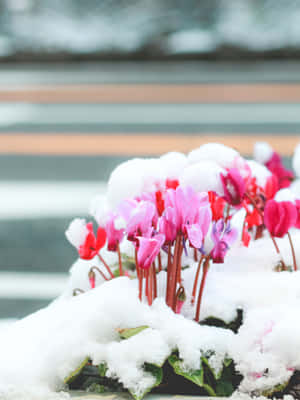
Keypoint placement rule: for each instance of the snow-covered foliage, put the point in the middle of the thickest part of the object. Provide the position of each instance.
(194, 263)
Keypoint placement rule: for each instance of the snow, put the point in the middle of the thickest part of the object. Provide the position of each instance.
(77, 232)
(203, 176)
(259, 171)
(219, 153)
(262, 152)
(296, 160)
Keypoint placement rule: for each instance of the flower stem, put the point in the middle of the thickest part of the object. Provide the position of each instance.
(293, 251)
(204, 274)
(154, 282)
(139, 275)
(168, 273)
(195, 255)
(196, 280)
(100, 272)
(172, 277)
(159, 262)
(120, 260)
(106, 266)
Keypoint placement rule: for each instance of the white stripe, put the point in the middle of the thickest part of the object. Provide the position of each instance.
(47, 199)
(15, 285)
(54, 114)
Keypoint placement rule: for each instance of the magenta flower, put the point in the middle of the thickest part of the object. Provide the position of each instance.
(115, 227)
(284, 175)
(279, 217)
(234, 187)
(223, 236)
(148, 249)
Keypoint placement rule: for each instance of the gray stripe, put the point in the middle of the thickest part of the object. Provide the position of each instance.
(151, 72)
(54, 115)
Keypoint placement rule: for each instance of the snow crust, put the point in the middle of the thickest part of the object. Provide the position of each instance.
(262, 152)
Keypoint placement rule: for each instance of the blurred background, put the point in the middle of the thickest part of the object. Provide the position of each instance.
(85, 85)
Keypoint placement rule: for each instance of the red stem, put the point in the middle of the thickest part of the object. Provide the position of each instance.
(195, 255)
(293, 252)
(196, 280)
(100, 272)
(155, 281)
(150, 293)
(139, 275)
(106, 266)
(168, 274)
(173, 275)
(159, 262)
(120, 260)
(204, 274)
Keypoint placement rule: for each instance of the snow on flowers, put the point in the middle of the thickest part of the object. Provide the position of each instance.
(178, 214)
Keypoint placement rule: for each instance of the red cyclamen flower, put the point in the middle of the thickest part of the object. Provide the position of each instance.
(217, 205)
(279, 217)
(234, 187)
(92, 244)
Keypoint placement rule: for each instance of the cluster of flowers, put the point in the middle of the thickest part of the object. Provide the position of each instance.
(176, 220)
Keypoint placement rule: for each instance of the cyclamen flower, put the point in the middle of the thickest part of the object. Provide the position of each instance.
(223, 236)
(139, 217)
(284, 175)
(217, 205)
(148, 249)
(115, 227)
(167, 224)
(234, 187)
(81, 236)
(279, 217)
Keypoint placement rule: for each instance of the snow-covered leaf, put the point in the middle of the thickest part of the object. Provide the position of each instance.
(77, 371)
(157, 373)
(127, 333)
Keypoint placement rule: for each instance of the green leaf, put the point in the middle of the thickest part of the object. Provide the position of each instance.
(155, 371)
(77, 371)
(195, 376)
(127, 333)
(224, 388)
(102, 368)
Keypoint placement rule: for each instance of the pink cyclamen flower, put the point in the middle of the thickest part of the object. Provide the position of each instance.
(167, 224)
(196, 232)
(279, 217)
(234, 187)
(138, 216)
(81, 235)
(148, 249)
(223, 236)
(115, 227)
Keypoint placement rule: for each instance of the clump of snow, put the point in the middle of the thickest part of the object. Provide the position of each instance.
(296, 160)
(223, 155)
(285, 195)
(262, 152)
(260, 172)
(77, 232)
(173, 164)
(203, 176)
